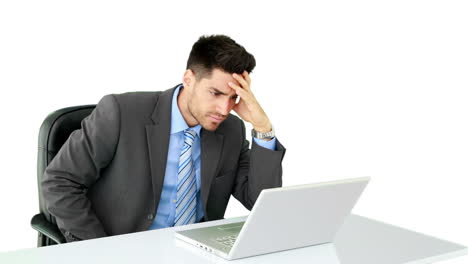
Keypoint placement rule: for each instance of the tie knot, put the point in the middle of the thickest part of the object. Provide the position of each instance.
(189, 135)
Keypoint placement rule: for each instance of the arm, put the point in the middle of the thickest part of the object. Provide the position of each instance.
(76, 167)
(259, 168)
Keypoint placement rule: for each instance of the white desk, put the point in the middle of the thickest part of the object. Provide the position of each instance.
(359, 241)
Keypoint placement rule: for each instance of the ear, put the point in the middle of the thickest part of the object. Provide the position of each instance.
(189, 79)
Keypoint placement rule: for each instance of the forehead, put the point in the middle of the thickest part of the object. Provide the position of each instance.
(219, 80)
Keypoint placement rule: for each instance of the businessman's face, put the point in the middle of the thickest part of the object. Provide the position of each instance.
(211, 99)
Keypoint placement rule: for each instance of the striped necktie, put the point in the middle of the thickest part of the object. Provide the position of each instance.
(186, 183)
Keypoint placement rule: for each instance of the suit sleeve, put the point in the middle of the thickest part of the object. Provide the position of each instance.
(76, 167)
(258, 168)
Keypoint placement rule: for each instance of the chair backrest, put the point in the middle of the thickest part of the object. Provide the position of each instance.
(53, 133)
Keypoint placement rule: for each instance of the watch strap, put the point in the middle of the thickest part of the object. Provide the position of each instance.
(266, 135)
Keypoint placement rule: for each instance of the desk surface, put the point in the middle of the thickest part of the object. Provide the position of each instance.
(360, 241)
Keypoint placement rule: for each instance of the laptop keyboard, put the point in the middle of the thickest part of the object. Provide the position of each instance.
(227, 241)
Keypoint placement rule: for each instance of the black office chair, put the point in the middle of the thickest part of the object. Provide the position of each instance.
(53, 133)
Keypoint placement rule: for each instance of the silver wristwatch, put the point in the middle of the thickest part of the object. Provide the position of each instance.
(267, 135)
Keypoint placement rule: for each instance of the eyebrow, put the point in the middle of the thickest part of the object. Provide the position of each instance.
(218, 91)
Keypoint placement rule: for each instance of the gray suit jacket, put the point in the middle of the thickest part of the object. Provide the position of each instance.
(108, 176)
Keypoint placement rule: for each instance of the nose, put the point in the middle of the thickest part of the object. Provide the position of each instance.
(224, 107)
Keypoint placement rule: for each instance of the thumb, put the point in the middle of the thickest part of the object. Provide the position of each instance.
(236, 108)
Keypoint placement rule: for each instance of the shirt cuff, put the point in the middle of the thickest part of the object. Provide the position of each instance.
(271, 145)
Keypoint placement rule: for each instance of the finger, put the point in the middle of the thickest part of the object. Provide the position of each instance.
(247, 77)
(236, 109)
(241, 80)
(245, 94)
(242, 93)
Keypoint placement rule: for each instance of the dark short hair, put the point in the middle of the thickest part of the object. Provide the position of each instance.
(220, 52)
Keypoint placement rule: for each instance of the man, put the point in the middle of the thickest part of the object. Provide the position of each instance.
(148, 160)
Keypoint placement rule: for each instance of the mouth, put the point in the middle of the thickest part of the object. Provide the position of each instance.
(216, 119)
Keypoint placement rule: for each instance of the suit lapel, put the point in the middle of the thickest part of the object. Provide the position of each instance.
(211, 145)
(157, 136)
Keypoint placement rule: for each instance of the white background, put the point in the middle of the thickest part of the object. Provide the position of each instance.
(353, 88)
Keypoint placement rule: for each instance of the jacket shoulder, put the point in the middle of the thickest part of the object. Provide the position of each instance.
(137, 97)
(136, 104)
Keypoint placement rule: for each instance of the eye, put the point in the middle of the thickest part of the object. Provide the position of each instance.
(214, 93)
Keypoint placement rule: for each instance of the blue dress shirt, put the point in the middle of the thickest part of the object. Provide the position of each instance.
(166, 210)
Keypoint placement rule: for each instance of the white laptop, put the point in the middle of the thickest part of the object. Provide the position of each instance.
(281, 219)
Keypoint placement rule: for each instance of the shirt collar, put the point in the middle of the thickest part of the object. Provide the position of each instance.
(178, 123)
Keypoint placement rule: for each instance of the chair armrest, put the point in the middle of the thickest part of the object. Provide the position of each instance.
(40, 224)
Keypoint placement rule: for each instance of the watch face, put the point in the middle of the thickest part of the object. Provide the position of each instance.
(259, 135)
